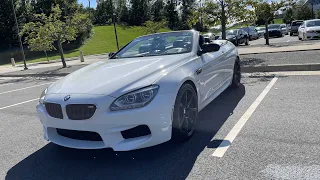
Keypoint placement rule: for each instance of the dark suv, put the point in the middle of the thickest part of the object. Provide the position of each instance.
(253, 34)
(295, 26)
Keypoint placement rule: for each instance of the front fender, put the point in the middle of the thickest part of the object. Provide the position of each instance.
(171, 81)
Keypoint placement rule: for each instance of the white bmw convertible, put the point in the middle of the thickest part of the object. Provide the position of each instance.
(147, 93)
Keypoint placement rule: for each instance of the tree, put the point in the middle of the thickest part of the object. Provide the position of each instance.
(8, 30)
(157, 10)
(288, 16)
(154, 27)
(104, 12)
(226, 11)
(42, 33)
(186, 11)
(265, 11)
(172, 15)
(139, 12)
(302, 12)
(318, 14)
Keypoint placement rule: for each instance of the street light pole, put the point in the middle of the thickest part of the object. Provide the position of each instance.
(115, 29)
(20, 42)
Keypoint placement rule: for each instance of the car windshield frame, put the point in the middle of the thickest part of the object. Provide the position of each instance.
(128, 48)
(316, 23)
(274, 26)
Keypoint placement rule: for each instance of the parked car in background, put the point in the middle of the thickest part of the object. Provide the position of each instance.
(139, 99)
(237, 37)
(261, 31)
(284, 29)
(210, 36)
(309, 30)
(252, 32)
(275, 30)
(295, 26)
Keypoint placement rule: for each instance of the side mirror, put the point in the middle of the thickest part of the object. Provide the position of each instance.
(111, 54)
(209, 48)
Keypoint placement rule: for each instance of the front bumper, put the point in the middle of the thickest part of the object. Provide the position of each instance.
(109, 124)
(275, 33)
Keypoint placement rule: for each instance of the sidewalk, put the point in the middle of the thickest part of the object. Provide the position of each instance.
(273, 49)
(54, 63)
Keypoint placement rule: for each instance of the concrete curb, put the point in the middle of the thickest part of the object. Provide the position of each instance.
(285, 67)
(267, 52)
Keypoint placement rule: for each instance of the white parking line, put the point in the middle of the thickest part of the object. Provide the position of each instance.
(18, 104)
(225, 144)
(24, 88)
(6, 84)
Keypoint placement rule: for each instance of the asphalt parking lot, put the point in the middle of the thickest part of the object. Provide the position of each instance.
(266, 129)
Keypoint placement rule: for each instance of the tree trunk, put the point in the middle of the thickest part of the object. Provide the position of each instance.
(223, 21)
(266, 34)
(61, 53)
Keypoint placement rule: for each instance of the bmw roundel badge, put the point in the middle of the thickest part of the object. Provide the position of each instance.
(67, 98)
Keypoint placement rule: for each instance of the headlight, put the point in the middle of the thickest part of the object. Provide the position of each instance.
(135, 99)
(43, 94)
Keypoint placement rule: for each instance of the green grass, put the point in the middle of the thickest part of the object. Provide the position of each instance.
(102, 41)
(278, 21)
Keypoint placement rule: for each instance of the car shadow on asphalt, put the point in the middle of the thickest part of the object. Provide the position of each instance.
(165, 161)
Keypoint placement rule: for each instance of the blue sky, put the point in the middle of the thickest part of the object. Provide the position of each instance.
(93, 3)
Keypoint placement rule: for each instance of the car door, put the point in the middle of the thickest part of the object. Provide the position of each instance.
(209, 74)
(242, 38)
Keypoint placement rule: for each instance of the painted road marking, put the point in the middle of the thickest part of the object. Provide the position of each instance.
(225, 144)
(5, 84)
(25, 88)
(19, 103)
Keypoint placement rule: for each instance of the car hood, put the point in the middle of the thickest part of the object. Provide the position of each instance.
(274, 29)
(115, 77)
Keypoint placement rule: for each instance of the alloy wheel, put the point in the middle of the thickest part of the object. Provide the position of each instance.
(188, 112)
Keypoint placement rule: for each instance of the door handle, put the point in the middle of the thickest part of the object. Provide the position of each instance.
(199, 71)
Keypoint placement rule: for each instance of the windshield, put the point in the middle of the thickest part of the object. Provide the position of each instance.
(245, 29)
(274, 26)
(231, 32)
(313, 23)
(157, 45)
(261, 28)
(283, 26)
(296, 23)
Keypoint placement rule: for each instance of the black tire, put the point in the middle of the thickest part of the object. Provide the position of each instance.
(237, 43)
(185, 114)
(250, 38)
(247, 42)
(291, 34)
(236, 78)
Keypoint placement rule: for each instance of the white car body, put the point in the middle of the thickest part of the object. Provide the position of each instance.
(103, 82)
(307, 33)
